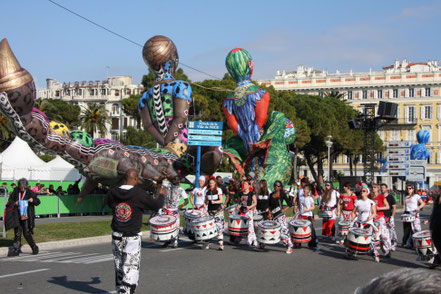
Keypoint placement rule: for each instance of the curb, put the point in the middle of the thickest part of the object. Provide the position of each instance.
(68, 243)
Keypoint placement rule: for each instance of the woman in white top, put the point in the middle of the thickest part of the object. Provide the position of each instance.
(329, 203)
(197, 197)
(367, 211)
(412, 205)
(305, 206)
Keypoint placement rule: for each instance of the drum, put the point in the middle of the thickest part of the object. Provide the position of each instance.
(326, 214)
(268, 232)
(257, 218)
(238, 225)
(300, 230)
(407, 218)
(359, 240)
(343, 227)
(163, 228)
(204, 228)
(189, 216)
(422, 241)
(231, 210)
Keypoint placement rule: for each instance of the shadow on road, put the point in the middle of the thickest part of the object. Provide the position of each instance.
(82, 286)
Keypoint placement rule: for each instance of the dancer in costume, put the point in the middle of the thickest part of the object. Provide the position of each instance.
(263, 199)
(304, 208)
(390, 216)
(346, 202)
(382, 206)
(214, 200)
(197, 197)
(246, 207)
(329, 203)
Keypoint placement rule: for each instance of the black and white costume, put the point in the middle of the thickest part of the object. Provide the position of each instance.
(216, 211)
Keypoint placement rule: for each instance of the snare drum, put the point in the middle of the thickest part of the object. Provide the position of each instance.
(231, 210)
(326, 213)
(407, 218)
(238, 225)
(257, 218)
(268, 232)
(189, 216)
(204, 228)
(422, 241)
(359, 240)
(300, 230)
(163, 228)
(343, 227)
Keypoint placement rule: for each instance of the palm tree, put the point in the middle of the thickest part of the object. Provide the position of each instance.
(5, 128)
(94, 118)
(335, 94)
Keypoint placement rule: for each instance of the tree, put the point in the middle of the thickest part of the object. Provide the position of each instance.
(139, 138)
(94, 119)
(6, 133)
(335, 94)
(130, 108)
(59, 111)
(149, 79)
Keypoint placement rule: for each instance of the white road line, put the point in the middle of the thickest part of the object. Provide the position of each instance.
(24, 273)
(78, 259)
(101, 259)
(26, 256)
(179, 248)
(58, 259)
(41, 258)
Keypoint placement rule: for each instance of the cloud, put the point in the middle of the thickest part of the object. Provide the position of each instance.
(424, 11)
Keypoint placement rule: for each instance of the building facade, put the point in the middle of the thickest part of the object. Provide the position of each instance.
(415, 87)
(109, 93)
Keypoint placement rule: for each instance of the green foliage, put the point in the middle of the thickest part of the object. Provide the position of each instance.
(94, 118)
(130, 108)
(139, 138)
(60, 111)
(46, 157)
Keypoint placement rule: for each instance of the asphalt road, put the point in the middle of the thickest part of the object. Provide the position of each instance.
(189, 269)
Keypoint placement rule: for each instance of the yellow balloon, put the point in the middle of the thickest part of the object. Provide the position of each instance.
(59, 128)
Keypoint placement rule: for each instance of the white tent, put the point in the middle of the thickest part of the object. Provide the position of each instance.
(19, 161)
(61, 170)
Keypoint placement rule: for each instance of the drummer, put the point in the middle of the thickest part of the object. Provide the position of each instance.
(435, 229)
(382, 206)
(246, 207)
(367, 211)
(389, 215)
(329, 202)
(304, 205)
(412, 205)
(346, 202)
(171, 206)
(214, 200)
(263, 199)
(197, 197)
(277, 213)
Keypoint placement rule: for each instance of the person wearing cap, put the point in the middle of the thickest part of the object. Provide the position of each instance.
(197, 197)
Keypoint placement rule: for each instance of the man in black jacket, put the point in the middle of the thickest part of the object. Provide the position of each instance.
(23, 221)
(128, 203)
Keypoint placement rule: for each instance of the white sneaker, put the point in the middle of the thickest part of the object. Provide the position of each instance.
(377, 259)
(175, 244)
(221, 247)
(206, 246)
(289, 250)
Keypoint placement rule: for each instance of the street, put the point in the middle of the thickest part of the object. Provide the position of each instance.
(189, 269)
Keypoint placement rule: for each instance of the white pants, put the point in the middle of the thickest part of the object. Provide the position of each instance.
(384, 235)
(127, 260)
(284, 231)
(390, 223)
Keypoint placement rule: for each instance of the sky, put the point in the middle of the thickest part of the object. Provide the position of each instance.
(280, 35)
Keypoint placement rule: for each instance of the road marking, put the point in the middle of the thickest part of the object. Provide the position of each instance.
(65, 257)
(24, 273)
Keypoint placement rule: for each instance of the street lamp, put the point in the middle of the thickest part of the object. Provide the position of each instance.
(329, 144)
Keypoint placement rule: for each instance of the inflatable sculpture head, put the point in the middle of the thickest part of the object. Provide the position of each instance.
(239, 64)
(423, 137)
(16, 81)
(160, 52)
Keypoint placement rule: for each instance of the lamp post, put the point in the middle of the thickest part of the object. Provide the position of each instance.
(329, 145)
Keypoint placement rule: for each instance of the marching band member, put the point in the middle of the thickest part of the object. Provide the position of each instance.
(382, 205)
(390, 215)
(277, 213)
(346, 202)
(305, 207)
(171, 206)
(435, 229)
(367, 211)
(263, 199)
(329, 202)
(214, 200)
(246, 206)
(412, 204)
(197, 197)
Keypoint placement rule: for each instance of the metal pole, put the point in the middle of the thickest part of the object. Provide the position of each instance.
(198, 167)
(4, 207)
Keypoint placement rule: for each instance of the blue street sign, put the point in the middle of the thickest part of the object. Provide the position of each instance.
(204, 143)
(204, 132)
(206, 125)
(204, 138)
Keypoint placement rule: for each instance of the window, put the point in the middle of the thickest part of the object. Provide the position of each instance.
(380, 94)
(411, 135)
(115, 136)
(395, 93)
(125, 123)
(103, 92)
(394, 135)
(57, 93)
(411, 115)
(115, 123)
(411, 92)
(365, 94)
(427, 91)
(116, 92)
(426, 112)
(115, 109)
(92, 92)
(350, 95)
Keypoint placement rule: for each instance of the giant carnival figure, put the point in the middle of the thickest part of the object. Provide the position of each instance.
(101, 160)
(419, 151)
(261, 144)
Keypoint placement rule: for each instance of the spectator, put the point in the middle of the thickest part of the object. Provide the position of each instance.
(36, 189)
(59, 191)
(43, 190)
(75, 187)
(13, 185)
(51, 190)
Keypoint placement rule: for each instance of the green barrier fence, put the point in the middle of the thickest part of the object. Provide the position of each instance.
(63, 184)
